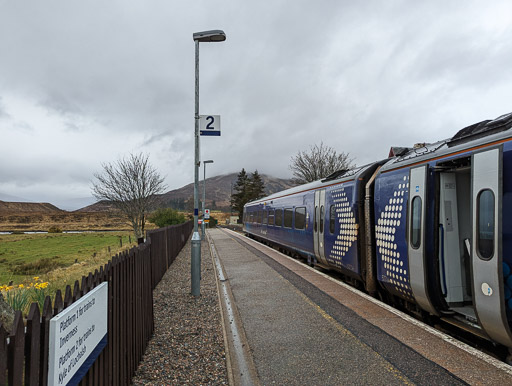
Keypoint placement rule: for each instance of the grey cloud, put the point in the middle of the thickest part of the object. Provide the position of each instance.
(360, 77)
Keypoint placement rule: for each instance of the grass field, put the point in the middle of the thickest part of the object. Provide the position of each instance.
(59, 258)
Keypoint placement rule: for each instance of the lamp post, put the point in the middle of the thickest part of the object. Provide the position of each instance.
(204, 193)
(195, 266)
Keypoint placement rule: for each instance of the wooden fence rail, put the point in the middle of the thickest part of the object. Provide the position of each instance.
(131, 277)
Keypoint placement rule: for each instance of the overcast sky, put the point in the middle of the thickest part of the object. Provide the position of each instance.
(87, 82)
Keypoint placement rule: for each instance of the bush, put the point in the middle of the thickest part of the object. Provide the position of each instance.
(54, 229)
(166, 216)
(213, 222)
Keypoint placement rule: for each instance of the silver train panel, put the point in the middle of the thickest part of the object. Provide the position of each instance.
(416, 242)
(487, 260)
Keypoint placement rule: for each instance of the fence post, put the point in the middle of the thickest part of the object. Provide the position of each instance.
(3, 355)
(32, 342)
(45, 343)
(16, 350)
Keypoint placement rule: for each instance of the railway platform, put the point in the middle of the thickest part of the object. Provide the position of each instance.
(287, 323)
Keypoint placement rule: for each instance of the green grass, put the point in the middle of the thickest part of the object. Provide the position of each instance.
(24, 256)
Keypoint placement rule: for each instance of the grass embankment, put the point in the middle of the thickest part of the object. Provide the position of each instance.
(58, 259)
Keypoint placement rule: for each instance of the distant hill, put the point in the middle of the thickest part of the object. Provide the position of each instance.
(218, 191)
(100, 206)
(27, 207)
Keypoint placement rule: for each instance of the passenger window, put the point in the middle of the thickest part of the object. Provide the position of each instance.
(279, 217)
(265, 217)
(485, 223)
(260, 216)
(416, 222)
(271, 217)
(288, 216)
(315, 222)
(332, 218)
(300, 218)
(322, 219)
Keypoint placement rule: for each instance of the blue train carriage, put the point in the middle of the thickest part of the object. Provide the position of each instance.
(322, 221)
(443, 228)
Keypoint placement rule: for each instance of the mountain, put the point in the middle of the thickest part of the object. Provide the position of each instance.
(27, 207)
(218, 191)
(100, 206)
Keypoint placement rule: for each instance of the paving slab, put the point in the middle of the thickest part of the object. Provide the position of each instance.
(298, 334)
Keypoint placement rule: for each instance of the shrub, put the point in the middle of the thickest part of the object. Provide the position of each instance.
(166, 216)
(54, 229)
(213, 222)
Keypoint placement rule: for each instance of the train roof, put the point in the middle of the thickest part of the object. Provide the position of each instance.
(479, 134)
(482, 133)
(337, 177)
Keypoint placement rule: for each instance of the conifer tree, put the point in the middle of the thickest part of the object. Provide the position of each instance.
(240, 197)
(246, 189)
(256, 187)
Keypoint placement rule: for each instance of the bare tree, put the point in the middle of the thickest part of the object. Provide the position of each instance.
(130, 184)
(320, 162)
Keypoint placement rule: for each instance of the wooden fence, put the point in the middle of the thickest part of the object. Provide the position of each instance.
(131, 277)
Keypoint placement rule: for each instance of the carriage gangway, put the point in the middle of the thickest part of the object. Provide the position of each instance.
(287, 323)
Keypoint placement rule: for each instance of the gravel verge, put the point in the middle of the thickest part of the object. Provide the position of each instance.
(187, 346)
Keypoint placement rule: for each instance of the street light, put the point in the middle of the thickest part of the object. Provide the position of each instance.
(195, 266)
(204, 194)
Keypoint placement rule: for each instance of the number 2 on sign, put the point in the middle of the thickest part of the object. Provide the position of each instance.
(209, 126)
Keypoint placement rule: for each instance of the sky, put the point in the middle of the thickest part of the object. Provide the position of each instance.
(84, 83)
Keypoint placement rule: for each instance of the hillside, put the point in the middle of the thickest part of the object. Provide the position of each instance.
(30, 216)
(34, 216)
(218, 191)
(7, 208)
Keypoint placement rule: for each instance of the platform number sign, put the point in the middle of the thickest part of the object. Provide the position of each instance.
(209, 125)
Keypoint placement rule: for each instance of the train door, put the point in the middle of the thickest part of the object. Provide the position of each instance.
(319, 225)
(416, 246)
(486, 254)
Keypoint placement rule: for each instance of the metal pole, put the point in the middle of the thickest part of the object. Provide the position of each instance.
(195, 267)
(204, 198)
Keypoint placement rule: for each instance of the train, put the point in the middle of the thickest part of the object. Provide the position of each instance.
(428, 229)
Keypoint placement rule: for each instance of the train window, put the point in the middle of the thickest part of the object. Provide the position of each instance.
(416, 222)
(271, 217)
(315, 223)
(288, 215)
(332, 218)
(485, 223)
(322, 219)
(279, 217)
(260, 216)
(265, 217)
(300, 218)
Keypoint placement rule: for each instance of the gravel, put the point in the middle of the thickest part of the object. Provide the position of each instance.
(188, 344)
